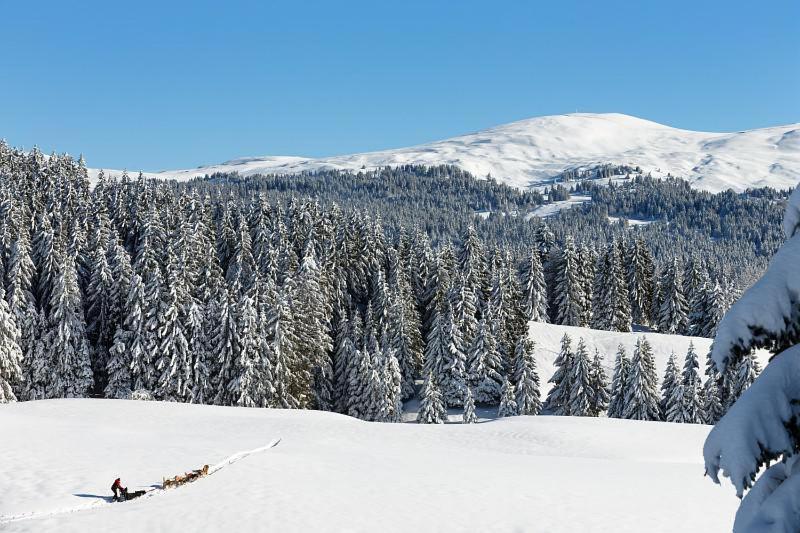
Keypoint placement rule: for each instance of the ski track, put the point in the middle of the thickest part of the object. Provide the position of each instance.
(7, 519)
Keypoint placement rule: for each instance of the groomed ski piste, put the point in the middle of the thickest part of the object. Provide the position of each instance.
(334, 473)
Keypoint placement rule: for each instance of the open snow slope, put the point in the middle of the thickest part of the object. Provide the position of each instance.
(58, 459)
(530, 152)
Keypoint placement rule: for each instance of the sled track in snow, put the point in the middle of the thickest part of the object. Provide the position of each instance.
(7, 519)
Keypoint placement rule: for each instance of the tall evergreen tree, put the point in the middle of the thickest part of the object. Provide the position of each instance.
(641, 402)
(431, 408)
(558, 399)
(526, 378)
(619, 381)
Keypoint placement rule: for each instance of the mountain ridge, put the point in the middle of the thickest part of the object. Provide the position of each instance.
(530, 152)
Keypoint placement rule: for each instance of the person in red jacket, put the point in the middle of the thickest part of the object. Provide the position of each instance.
(118, 490)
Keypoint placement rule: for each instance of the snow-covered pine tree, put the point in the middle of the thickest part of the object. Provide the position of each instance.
(508, 403)
(469, 409)
(712, 404)
(611, 302)
(173, 362)
(485, 365)
(672, 313)
(599, 381)
(619, 380)
(526, 378)
(641, 401)
(745, 372)
(640, 272)
(311, 302)
(714, 308)
(697, 287)
(472, 263)
(10, 353)
(453, 379)
(534, 290)
(668, 384)
(70, 363)
(692, 404)
(431, 408)
(568, 295)
(558, 399)
(288, 380)
(587, 264)
(245, 388)
(580, 392)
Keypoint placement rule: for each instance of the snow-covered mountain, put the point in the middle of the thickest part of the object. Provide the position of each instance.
(530, 152)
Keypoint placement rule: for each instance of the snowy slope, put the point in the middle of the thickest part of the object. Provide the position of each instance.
(548, 344)
(333, 473)
(530, 152)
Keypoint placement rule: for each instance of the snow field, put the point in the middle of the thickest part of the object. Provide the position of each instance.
(334, 473)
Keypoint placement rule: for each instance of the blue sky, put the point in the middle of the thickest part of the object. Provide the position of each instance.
(155, 85)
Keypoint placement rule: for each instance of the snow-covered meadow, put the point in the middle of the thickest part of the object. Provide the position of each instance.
(334, 473)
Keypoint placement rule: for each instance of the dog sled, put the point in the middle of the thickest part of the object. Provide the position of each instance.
(188, 477)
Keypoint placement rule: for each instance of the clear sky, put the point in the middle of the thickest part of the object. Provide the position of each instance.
(157, 85)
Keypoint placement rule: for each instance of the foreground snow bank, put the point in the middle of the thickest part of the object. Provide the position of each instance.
(333, 473)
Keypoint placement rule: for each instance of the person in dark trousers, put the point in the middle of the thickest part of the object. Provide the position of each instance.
(118, 490)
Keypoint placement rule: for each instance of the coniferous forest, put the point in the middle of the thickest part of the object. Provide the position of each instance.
(356, 292)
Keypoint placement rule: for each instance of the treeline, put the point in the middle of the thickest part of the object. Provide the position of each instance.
(210, 293)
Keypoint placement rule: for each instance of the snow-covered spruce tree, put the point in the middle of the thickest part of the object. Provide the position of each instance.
(10, 353)
(587, 264)
(611, 304)
(173, 363)
(343, 363)
(580, 392)
(668, 384)
(672, 313)
(288, 380)
(698, 286)
(508, 405)
(568, 296)
(313, 332)
(437, 345)
(100, 325)
(485, 365)
(713, 407)
(534, 290)
(619, 380)
(714, 308)
(472, 263)
(404, 326)
(65, 340)
(762, 426)
(392, 378)
(640, 272)
(743, 374)
(599, 381)
(469, 416)
(245, 388)
(526, 379)
(431, 407)
(641, 401)
(453, 380)
(558, 399)
(692, 404)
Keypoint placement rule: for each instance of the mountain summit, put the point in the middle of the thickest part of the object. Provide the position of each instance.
(531, 152)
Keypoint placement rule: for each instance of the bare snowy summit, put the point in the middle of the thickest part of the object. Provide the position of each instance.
(531, 152)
